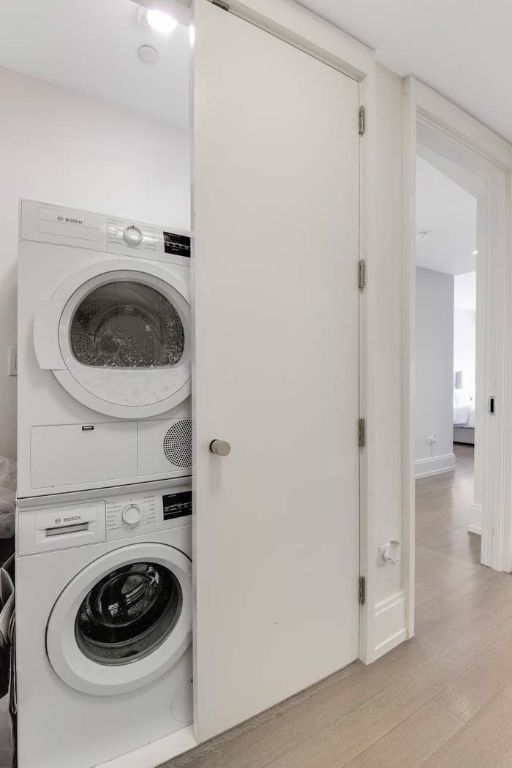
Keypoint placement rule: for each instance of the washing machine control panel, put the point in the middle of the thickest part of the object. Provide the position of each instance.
(134, 515)
(134, 238)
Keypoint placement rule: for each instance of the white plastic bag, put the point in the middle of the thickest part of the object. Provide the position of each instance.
(7, 497)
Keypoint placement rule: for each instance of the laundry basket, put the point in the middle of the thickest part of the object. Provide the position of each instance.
(7, 665)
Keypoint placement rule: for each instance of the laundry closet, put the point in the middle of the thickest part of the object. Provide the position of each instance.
(181, 247)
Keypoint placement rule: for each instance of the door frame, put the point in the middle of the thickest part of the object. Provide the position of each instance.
(429, 118)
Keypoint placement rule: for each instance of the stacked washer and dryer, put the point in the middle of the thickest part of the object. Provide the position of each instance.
(103, 550)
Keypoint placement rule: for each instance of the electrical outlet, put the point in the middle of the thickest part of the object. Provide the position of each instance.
(432, 439)
(12, 361)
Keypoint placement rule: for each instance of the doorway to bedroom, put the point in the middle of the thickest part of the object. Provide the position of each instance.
(447, 459)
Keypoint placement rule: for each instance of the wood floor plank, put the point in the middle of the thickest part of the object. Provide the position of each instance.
(484, 742)
(413, 741)
(489, 675)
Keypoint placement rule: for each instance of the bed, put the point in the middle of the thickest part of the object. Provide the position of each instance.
(463, 417)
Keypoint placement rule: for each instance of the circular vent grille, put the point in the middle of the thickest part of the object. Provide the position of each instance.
(178, 443)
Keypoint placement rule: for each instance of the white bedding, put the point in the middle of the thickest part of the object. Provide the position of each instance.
(464, 415)
(463, 409)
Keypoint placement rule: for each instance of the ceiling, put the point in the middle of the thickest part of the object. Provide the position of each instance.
(446, 217)
(91, 46)
(462, 48)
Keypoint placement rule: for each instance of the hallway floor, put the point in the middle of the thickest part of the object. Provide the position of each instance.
(441, 700)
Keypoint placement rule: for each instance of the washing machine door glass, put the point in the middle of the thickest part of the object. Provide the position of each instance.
(124, 620)
(128, 613)
(124, 324)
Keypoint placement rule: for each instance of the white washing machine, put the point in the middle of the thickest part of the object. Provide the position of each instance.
(103, 351)
(103, 624)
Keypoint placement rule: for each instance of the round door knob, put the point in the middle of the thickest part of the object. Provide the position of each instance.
(131, 515)
(132, 235)
(220, 447)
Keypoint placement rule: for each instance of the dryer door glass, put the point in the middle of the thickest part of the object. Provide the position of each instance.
(128, 613)
(125, 324)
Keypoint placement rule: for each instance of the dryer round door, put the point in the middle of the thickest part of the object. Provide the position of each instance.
(123, 621)
(117, 337)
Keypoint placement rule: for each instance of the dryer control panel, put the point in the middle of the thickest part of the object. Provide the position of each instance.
(134, 238)
(46, 223)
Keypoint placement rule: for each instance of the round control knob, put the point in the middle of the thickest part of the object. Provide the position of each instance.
(132, 235)
(131, 515)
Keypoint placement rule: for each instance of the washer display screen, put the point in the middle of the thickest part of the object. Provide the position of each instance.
(177, 505)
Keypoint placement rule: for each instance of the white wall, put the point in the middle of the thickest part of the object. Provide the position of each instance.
(65, 148)
(434, 371)
(464, 338)
(464, 347)
(384, 364)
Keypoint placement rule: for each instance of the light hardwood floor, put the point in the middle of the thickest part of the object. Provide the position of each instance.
(441, 700)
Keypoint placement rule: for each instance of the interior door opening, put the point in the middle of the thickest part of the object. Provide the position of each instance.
(448, 262)
(458, 354)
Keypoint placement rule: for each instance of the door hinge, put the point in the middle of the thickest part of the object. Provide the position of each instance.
(362, 120)
(221, 4)
(362, 590)
(361, 432)
(361, 274)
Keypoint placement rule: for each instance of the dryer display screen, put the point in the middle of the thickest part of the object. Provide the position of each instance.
(177, 505)
(177, 244)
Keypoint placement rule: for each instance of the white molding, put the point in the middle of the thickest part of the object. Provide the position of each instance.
(157, 752)
(475, 524)
(452, 120)
(409, 134)
(434, 465)
(310, 33)
(390, 623)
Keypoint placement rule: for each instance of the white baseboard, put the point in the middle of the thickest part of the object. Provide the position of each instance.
(156, 753)
(475, 522)
(435, 465)
(389, 624)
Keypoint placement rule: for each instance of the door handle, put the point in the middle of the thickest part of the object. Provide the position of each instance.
(220, 447)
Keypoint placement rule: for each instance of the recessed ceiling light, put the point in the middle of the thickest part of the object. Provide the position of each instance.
(474, 253)
(148, 54)
(160, 21)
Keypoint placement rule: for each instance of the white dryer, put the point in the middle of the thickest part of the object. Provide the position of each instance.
(103, 351)
(103, 624)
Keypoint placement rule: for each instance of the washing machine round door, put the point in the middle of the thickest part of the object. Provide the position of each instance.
(123, 621)
(117, 337)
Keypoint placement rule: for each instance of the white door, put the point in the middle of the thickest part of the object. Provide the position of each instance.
(276, 183)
